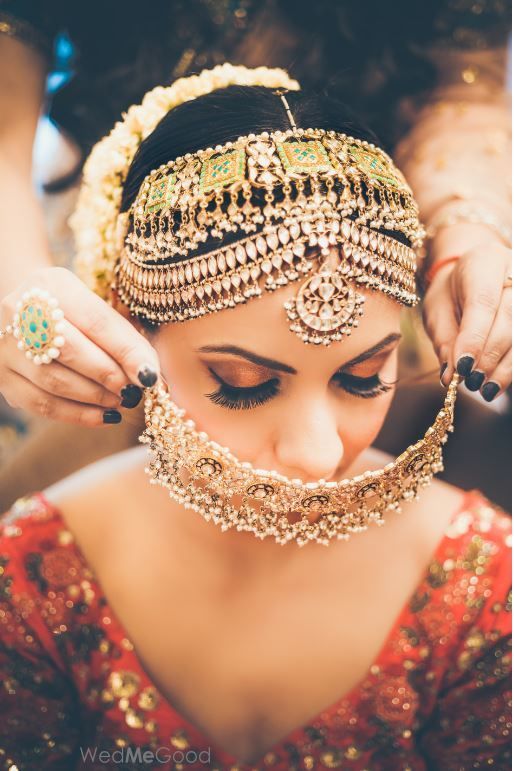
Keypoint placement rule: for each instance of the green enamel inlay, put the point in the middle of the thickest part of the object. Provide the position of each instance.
(160, 194)
(374, 165)
(222, 170)
(36, 326)
(306, 157)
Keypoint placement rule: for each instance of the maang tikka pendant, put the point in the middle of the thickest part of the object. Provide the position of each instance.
(326, 307)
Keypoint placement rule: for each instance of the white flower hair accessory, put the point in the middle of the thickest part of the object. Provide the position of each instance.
(98, 232)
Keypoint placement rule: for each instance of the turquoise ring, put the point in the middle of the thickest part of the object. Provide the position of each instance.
(38, 325)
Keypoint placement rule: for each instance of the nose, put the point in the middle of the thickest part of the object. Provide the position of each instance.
(309, 445)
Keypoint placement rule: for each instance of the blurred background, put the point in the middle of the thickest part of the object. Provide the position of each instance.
(100, 61)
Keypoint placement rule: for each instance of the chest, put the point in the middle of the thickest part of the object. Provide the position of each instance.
(249, 664)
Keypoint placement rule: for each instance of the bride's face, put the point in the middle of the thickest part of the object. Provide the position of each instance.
(305, 411)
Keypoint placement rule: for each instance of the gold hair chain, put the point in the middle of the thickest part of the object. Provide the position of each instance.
(281, 93)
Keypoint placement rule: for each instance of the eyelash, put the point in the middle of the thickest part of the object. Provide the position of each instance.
(243, 398)
(235, 398)
(363, 387)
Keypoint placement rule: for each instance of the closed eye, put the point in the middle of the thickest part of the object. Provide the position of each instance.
(364, 387)
(236, 398)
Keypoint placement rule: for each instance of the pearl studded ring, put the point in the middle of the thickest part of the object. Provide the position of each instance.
(38, 326)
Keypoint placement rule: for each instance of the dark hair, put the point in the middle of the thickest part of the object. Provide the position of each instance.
(226, 114)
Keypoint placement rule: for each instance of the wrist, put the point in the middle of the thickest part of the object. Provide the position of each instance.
(458, 239)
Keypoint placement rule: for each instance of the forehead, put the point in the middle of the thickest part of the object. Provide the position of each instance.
(262, 326)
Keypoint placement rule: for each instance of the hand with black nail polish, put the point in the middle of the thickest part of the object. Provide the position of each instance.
(131, 395)
(467, 305)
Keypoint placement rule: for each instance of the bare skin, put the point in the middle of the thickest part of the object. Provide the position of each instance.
(249, 640)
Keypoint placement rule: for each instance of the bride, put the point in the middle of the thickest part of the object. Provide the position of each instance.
(257, 616)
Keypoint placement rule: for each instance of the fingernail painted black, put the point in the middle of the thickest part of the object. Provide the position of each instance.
(475, 380)
(147, 376)
(490, 390)
(112, 416)
(465, 365)
(131, 395)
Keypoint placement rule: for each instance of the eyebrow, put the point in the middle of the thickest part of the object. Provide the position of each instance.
(393, 338)
(263, 361)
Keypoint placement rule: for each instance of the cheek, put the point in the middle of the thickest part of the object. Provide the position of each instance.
(361, 424)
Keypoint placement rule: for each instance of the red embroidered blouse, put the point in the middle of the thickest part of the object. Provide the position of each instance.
(75, 696)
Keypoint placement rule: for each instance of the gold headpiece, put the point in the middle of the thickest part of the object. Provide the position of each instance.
(271, 206)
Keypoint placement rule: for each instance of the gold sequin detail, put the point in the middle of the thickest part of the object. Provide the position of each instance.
(180, 740)
(123, 683)
(64, 537)
(134, 719)
(148, 698)
(332, 758)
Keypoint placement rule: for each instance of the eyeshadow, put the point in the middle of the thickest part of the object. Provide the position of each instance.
(241, 375)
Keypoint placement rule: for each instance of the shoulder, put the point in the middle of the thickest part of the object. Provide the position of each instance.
(98, 479)
(107, 483)
(95, 501)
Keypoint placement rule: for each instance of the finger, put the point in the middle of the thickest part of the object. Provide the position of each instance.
(497, 345)
(101, 324)
(55, 378)
(441, 325)
(81, 355)
(21, 393)
(111, 332)
(479, 292)
(500, 379)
